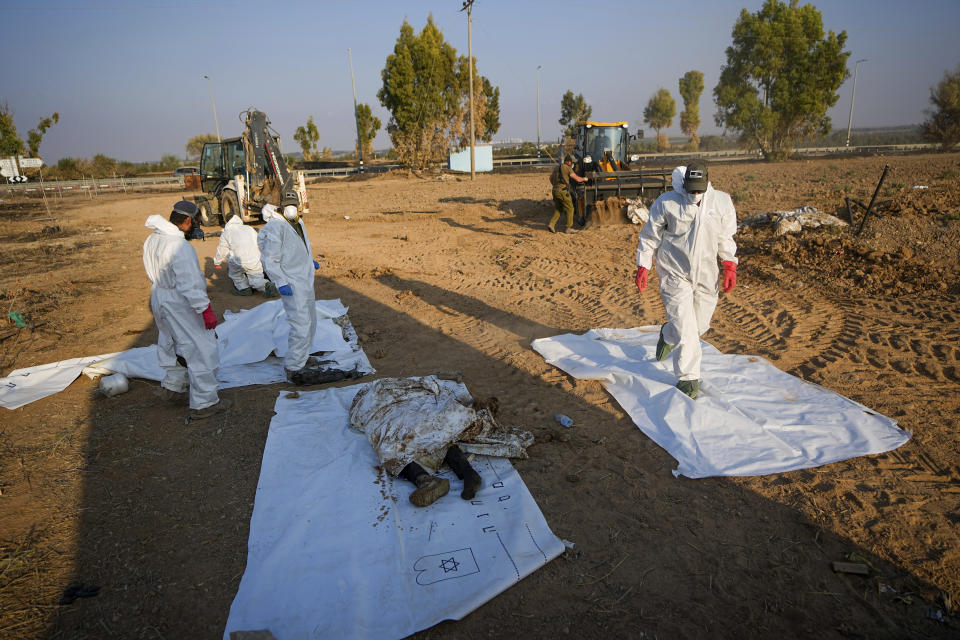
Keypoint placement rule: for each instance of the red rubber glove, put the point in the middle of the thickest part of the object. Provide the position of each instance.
(209, 317)
(729, 275)
(641, 279)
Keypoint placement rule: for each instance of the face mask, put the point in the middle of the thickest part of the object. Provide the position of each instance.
(694, 198)
(290, 213)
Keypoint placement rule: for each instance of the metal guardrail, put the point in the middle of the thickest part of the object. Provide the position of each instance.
(532, 161)
(94, 184)
(728, 154)
(346, 171)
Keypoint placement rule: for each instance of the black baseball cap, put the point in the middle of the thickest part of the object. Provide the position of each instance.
(186, 208)
(695, 179)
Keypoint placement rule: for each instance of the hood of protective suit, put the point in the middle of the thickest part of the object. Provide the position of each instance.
(161, 225)
(677, 178)
(235, 221)
(270, 211)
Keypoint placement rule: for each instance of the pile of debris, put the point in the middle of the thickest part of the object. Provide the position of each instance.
(804, 217)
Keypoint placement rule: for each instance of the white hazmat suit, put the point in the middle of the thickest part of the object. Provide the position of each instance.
(178, 299)
(687, 237)
(238, 247)
(288, 260)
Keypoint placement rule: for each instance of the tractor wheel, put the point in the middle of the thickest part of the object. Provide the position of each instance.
(208, 218)
(229, 205)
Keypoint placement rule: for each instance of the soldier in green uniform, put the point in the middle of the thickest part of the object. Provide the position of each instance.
(560, 179)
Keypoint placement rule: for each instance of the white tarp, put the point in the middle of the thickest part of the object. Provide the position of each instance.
(245, 340)
(749, 419)
(336, 550)
(269, 320)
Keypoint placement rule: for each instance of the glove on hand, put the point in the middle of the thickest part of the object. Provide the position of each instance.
(729, 275)
(209, 317)
(285, 290)
(316, 265)
(641, 279)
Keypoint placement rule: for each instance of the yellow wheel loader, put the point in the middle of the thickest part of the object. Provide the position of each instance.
(600, 155)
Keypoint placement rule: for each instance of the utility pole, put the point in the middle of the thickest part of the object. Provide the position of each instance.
(356, 114)
(468, 7)
(538, 110)
(215, 121)
(852, 97)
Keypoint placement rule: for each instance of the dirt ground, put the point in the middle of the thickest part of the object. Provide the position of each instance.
(445, 274)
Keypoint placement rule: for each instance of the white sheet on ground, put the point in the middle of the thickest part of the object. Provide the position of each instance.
(336, 550)
(750, 418)
(245, 340)
(24, 386)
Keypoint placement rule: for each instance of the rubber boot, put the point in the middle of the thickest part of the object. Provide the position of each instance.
(270, 290)
(461, 466)
(663, 349)
(429, 488)
(689, 387)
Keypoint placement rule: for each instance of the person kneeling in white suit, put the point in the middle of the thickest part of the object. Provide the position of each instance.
(238, 248)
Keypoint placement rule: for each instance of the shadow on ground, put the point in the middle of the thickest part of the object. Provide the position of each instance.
(166, 506)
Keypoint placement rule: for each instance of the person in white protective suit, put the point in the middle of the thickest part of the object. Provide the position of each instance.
(287, 258)
(688, 230)
(186, 345)
(238, 248)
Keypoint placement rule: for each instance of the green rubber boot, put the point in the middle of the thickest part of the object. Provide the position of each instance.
(663, 349)
(689, 387)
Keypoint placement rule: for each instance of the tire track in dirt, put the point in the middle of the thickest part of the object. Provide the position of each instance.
(928, 355)
(801, 336)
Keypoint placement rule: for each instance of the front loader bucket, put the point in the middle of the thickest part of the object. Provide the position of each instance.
(605, 194)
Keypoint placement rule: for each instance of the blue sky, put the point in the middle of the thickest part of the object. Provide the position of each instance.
(127, 76)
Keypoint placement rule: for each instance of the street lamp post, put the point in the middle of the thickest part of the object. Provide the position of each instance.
(538, 110)
(356, 114)
(215, 121)
(468, 7)
(853, 97)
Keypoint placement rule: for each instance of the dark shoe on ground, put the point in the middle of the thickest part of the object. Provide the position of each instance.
(429, 490)
(471, 484)
(689, 387)
(270, 290)
(663, 349)
(243, 292)
(212, 410)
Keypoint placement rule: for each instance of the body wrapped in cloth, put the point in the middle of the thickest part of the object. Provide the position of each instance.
(418, 419)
